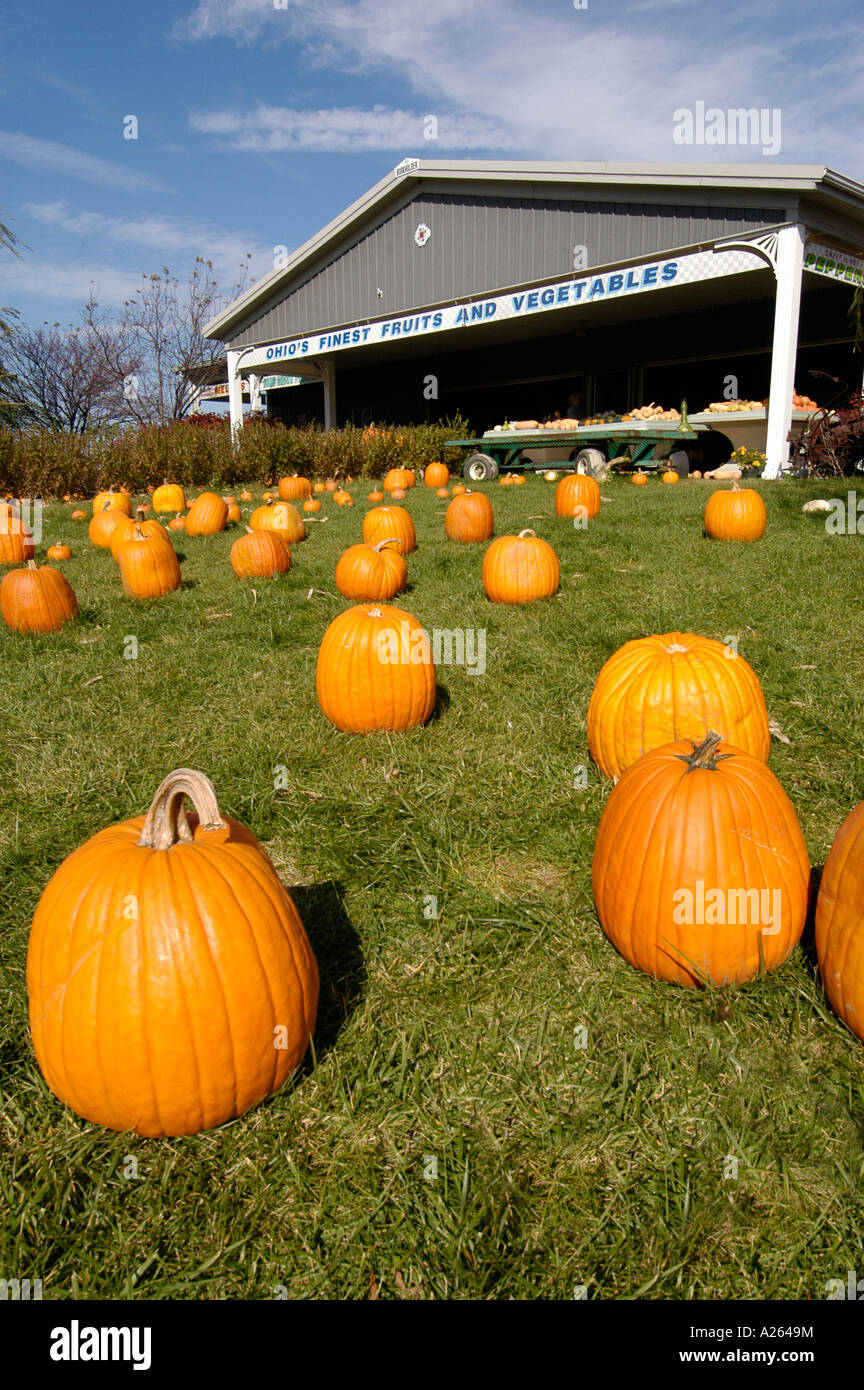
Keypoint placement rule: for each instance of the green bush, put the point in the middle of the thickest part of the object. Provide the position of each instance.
(49, 463)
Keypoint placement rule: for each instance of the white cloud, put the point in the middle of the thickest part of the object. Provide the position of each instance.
(165, 236)
(62, 282)
(268, 129)
(48, 156)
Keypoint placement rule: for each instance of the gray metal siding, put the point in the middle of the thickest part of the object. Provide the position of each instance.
(480, 244)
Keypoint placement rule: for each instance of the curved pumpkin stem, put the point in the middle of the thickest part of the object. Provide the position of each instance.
(165, 823)
(391, 540)
(527, 532)
(704, 754)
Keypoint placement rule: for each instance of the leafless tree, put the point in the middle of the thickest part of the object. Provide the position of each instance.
(10, 409)
(57, 378)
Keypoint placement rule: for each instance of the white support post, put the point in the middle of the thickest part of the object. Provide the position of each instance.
(235, 394)
(195, 400)
(328, 374)
(788, 268)
(254, 392)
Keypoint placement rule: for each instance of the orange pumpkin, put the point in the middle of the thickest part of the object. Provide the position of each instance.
(376, 495)
(319, 487)
(459, 489)
(436, 475)
(372, 573)
(245, 495)
(78, 515)
(519, 569)
(518, 479)
(738, 515)
(390, 523)
(840, 922)
(294, 488)
(36, 599)
(207, 515)
(469, 517)
(170, 497)
(260, 553)
(127, 527)
(577, 494)
(149, 567)
(396, 494)
(669, 476)
(442, 492)
(311, 505)
(399, 478)
(375, 670)
(16, 541)
(59, 552)
(670, 686)
(234, 513)
(118, 500)
(103, 525)
(343, 498)
(700, 870)
(177, 523)
(331, 485)
(171, 983)
(281, 517)
(639, 479)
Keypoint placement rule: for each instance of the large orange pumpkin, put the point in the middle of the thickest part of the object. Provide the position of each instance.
(738, 515)
(294, 488)
(207, 515)
(700, 870)
(170, 980)
(103, 525)
(281, 517)
(436, 475)
(148, 564)
(372, 573)
(118, 500)
(840, 922)
(16, 540)
(577, 494)
(170, 497)
(390, 523)
(260, 553)
(399, 477)
(375, 670)
(128, 526)
(673, 685)
(36, 599)
(518, 569)
(469, 517)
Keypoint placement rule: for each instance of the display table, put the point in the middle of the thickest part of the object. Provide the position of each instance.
(503, 449)
(746, 429)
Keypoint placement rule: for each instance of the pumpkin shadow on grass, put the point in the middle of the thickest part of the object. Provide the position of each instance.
(340, 960)
(442, 704)
(808, 936)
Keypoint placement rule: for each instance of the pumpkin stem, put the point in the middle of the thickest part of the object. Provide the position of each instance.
(165, 823)
(391, 540)
(31, 565)
(527, 532)
(704, 755)
(140, 513)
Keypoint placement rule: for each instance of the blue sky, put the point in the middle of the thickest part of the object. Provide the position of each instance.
(259, 120)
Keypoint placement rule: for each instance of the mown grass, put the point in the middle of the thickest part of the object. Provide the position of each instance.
(448, 1043)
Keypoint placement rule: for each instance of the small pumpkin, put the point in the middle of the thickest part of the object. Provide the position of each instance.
(577, 494)
(16, 541)
(469, 517)
(184, 1011)
(639, 479)
(343, 498)
(736, 515)
(436, 475)
(459, 489)
(442, 492)
(520, 569)
(390, 523)
(319, 487)
(78, 515)
(670, 686)
(207, 516)
(840, 922)
(234, 513)
(281, 517)
(518, 479)
(396, 494)
(311, 505)
(260, 553)
(331, 485)
(245, 495)
(372, 573)
(294, 489)
(149, 567)
(36, 599)
(59, 552)
(170, 496)
(700, 870)
(375, 670)
(669, 476)
(695, 473)
(177, 523)
(376, 495)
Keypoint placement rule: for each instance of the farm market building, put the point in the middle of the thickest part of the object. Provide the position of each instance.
(512, 290)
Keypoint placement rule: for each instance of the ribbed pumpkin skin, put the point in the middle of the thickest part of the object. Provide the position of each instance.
(399, 477)
(292, 489)
(674, 685)
(469, 517)
(665, 828)
(519, 569)
(119, 501)
(260, 554)
(840, 922)
(576, 491)
(384, 523)
(102, 526)
(281, 517)
(36, 599)
(436, 475)
(16, 541)
(170, 497)
(735, 516)
(359, 692)
(371, 573)
(59, 552)
(126, 528)
(149, 567)
(207, 515)
(165, 1024)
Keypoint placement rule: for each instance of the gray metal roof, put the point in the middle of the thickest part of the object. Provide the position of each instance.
(834, 191)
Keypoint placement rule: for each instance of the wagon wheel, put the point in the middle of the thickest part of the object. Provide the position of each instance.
(479, 466)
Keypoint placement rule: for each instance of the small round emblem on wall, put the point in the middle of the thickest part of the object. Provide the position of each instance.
(422, 234)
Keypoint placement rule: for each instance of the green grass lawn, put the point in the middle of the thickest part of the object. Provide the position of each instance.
(447, 1045)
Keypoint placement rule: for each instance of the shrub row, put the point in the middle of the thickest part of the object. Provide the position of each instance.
(48, 463)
